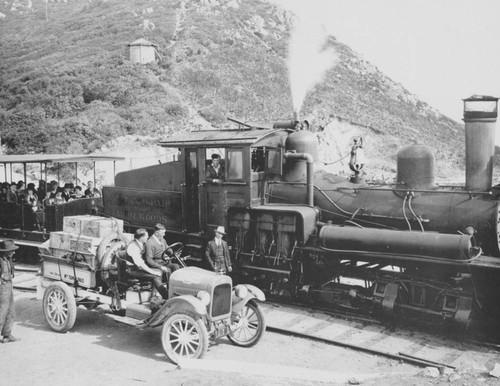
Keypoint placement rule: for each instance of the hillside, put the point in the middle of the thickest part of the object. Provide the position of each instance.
(66, 84)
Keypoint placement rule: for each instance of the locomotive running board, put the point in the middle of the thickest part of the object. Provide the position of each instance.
(486, 262)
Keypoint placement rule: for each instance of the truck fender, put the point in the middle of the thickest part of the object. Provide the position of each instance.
(183, 303)
(253, 293)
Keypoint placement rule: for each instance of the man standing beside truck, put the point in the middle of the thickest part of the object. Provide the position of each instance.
(7, 312)
(217, 253)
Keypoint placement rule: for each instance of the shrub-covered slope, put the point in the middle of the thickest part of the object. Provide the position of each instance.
(66, 84)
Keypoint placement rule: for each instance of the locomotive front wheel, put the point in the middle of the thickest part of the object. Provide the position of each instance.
(247, 326)
(184, 336)
(59, 307)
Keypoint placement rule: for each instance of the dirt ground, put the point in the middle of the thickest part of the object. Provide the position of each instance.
(101, 351)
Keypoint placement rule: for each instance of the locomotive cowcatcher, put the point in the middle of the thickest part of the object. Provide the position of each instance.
(302, 234)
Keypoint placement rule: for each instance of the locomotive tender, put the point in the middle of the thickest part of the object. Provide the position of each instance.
(301, 233)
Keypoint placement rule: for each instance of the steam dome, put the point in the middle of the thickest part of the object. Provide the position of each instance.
(416, 167)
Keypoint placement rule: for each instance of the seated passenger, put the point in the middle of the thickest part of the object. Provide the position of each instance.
(31, 199)
(20, 190)
(53, 189)
(96, 192)
(89, 191)
(3, 194)
(59, 199)
(78, 192)
(155, 247)
(138, 267)
(215, 171)
(67, 191)
(12, 193)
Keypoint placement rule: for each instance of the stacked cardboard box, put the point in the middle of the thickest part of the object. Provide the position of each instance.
(92, 226)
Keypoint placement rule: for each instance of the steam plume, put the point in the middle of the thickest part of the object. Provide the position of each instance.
(308, 59)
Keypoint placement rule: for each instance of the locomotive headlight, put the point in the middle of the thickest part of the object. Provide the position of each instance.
(241, 291)
(204, 297)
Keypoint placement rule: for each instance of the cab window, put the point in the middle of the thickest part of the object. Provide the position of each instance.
(235, 165)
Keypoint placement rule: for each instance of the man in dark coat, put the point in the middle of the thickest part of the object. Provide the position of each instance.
(215, 171)
(155, 246)
(217, 253)
(7, 313)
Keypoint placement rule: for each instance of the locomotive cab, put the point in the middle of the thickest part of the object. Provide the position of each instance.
(179, 194)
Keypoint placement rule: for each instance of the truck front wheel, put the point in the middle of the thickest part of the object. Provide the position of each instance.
(184, 336)
(59, 307)
(247, 326)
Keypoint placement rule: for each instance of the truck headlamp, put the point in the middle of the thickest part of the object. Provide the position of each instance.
(204, 297)
(241, 291)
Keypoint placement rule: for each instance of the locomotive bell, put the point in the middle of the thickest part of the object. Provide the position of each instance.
(480, 116)
(415, 166)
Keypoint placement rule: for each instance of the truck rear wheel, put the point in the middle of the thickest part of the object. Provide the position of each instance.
(247, 326)
(59, 307)
(184, 336)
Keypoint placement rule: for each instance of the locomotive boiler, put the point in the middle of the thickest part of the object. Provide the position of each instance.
(303, 234)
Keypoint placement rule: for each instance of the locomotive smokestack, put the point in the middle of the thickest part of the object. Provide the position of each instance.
(480, 116)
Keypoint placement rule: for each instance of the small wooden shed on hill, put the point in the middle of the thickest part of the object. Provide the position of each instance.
(142, 51)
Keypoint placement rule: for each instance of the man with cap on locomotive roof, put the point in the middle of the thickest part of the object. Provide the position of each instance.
(155, 246)
(215, 171)
(7, 250)
(217, 252)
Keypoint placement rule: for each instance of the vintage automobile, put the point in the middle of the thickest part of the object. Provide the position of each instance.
(201, 304)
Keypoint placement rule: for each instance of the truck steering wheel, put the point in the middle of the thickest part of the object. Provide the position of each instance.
(177, 252)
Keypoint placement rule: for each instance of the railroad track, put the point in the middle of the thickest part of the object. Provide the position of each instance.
(372, 337)
(363, 333)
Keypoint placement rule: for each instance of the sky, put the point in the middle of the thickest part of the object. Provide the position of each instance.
(441, 50)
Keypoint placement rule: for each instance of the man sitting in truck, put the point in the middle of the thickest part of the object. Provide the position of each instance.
(155, 247)
(138, 268)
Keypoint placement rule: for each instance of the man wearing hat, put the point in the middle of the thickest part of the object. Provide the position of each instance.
(68, 190)
(7, 250)
(217, 252)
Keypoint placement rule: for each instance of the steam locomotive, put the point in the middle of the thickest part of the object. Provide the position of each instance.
(300, 233)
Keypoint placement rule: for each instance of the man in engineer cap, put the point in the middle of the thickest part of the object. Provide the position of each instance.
(217, 252)
(7, 250)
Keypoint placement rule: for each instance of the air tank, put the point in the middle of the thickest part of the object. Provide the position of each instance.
(415, 164)
(385, 242)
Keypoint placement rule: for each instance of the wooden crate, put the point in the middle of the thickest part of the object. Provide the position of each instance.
(59, 270)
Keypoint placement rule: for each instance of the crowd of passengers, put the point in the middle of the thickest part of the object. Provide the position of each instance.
(46, 193)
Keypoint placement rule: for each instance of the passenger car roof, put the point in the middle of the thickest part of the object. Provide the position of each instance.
(56, 158)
